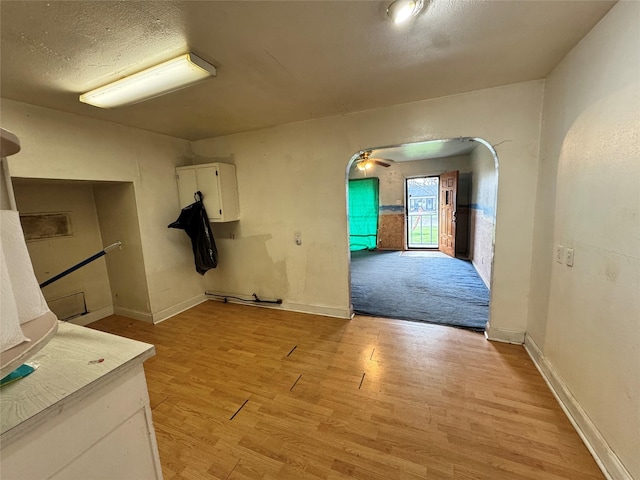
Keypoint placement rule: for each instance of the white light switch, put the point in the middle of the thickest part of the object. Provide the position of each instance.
(569, 257)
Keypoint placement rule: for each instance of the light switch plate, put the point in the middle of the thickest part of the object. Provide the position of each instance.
(569, 257)
(559, 254)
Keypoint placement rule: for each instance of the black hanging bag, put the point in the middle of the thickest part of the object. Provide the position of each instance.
(193, 219)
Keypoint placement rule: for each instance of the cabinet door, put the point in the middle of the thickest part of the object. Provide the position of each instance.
(208, 183)
(187, 186)
(228, 192)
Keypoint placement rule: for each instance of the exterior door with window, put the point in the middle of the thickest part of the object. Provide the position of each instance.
(422, 212)
(447, 230)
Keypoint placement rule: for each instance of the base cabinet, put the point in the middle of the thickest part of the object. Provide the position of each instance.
(107, 436)
(217, 182)
(75, 418)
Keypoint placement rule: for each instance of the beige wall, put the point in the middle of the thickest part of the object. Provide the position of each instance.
(118, 220)
(54, 255)
(292, 179)
(65, 146)
(586, 319)
(483, 213)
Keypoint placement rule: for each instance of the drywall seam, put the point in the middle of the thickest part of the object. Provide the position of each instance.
(607, 460)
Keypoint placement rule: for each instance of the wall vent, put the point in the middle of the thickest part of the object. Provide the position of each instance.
(38, 226)
(69, 306)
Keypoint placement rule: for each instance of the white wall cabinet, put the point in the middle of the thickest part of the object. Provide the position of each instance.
(217, 182)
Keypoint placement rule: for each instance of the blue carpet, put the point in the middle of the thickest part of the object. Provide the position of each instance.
(446, 291)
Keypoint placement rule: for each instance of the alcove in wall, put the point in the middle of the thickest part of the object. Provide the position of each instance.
(66, 222)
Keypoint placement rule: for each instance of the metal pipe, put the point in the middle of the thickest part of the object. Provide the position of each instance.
(84, 262)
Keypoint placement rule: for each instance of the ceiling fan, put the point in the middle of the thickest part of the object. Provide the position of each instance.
(366, 162)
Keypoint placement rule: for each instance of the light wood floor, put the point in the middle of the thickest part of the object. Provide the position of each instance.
(240, 392)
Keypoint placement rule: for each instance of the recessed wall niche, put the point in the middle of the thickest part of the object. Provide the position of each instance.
(67, 221)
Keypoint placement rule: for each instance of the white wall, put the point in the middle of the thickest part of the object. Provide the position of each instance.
(483, 215)
(292, 179)
(59, 145)
(585, 320)
(54, 255)
(118, 220)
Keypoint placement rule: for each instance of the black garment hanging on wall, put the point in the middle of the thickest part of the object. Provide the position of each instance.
(193, 219)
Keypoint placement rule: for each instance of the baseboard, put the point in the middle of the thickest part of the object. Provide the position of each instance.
(93, 316)
(607, 460)
(343, 313)
(505, 336)
(135, 314)
(163, 315)
(291, 307)
(486, 281)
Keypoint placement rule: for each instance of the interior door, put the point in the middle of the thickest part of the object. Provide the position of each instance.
(448, 195)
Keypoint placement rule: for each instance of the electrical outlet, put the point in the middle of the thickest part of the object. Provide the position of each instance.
(568, 257)
(559, 254)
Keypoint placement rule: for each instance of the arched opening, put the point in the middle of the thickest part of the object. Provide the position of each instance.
(432, 256)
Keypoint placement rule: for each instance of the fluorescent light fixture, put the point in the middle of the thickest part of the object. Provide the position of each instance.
(401, 10)
(164, 78)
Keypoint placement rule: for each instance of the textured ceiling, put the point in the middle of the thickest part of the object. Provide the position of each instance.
(279, 62)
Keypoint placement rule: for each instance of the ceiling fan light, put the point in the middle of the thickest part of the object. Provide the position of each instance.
(401, 10)
(364, 165)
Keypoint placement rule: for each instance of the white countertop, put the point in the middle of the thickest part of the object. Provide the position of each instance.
(65, 376)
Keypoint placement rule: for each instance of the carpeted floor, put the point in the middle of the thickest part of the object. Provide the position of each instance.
(446, 291)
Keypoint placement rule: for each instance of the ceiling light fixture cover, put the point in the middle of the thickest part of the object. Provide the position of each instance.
(401, 10)
(364, 165)
(164, 78)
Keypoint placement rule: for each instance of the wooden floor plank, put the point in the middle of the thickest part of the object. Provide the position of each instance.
(321, 398)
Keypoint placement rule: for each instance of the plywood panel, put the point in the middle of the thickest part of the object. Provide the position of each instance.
(482, 244)
(391, 232)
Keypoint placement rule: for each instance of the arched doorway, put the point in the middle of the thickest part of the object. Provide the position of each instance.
(476, 165)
